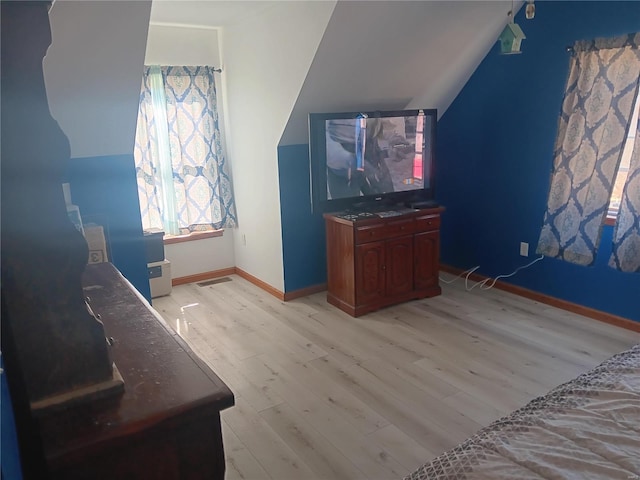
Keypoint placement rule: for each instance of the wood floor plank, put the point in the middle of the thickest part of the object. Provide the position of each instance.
(267, 325)
(500, 395)
(366, 455)
(404, 448)
(324, 336)
(240, 463)
(419, 423)
(356, 412)
(477, 410)
(326, 461)
(277, 458)
(320, 394)
(225, 362)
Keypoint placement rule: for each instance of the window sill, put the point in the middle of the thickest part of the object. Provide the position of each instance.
(171, 239)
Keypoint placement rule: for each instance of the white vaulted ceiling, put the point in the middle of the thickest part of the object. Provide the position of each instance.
(374, 55)
(92, 72)
(394, 54)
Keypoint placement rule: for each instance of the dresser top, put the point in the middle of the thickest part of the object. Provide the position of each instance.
(390, 214)
(164, 378)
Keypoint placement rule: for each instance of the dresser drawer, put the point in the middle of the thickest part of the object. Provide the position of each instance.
(369, 233)
(400, 227)
(427, 223)
(372, 233)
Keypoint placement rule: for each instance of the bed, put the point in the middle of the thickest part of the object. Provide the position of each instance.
(588, 428)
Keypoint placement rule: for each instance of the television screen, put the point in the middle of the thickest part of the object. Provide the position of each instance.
(360, 157)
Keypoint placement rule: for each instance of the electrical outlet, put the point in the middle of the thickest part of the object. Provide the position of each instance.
(524, 249)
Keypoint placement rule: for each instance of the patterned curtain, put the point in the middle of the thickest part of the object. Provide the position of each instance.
(626, 237)
(601, 89)
(183, 183)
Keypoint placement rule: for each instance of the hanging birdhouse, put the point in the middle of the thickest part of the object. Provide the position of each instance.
(510, 39)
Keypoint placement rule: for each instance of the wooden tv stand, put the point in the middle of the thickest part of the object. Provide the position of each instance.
(374, 261)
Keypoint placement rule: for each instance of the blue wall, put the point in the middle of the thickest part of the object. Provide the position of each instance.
(494, 158)
(303, 240)
(105, 189)
(10, 467)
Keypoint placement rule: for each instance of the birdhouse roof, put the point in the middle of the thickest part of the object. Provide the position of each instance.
(516, 30)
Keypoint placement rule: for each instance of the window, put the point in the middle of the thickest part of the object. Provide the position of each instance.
(597, 114)
(623, 171)
(183, 184)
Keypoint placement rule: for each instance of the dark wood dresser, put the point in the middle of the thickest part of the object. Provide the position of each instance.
(377, 260)
(166, 425)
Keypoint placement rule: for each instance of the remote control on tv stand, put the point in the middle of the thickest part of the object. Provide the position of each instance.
(422, 204)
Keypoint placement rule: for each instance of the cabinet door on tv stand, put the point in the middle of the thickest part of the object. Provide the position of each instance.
(370, 278)
(427, 255)
(399, 266)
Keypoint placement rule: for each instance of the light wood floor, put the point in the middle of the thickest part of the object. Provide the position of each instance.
(321, 395)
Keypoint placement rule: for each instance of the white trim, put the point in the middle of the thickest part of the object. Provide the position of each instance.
(184, 25)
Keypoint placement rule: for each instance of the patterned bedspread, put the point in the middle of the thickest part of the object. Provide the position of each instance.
(586, 429)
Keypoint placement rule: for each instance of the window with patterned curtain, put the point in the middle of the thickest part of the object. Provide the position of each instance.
(183, 182)
(601, 91)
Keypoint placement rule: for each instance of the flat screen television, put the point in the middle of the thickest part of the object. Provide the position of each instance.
(371, 160)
